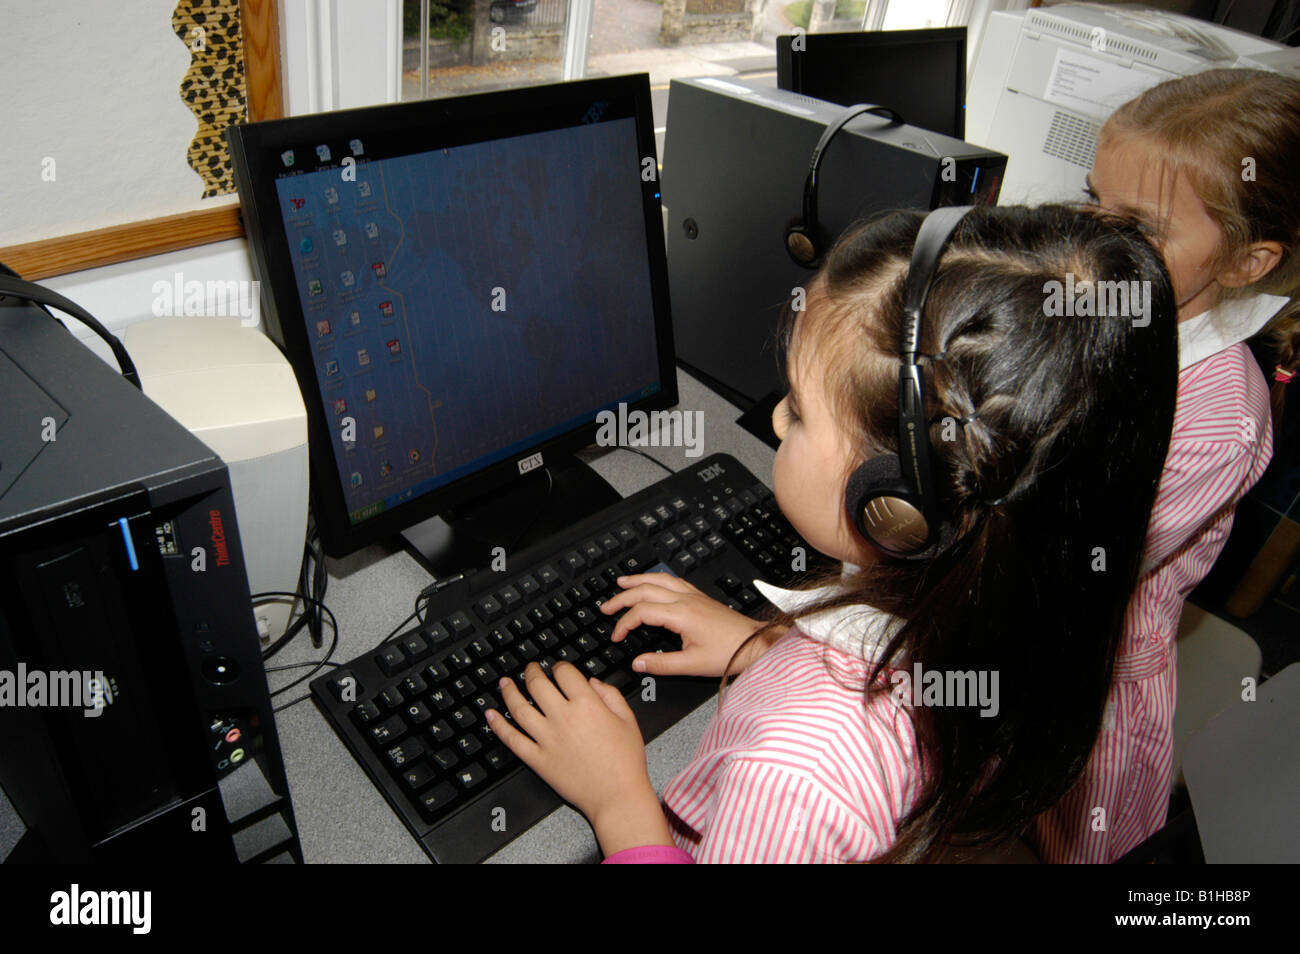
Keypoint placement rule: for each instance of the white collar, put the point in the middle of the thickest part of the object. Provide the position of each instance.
(1227, 323)
(860, 631)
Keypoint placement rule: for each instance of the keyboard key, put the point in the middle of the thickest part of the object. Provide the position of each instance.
(559, 604)
(578, 593)
(664, 514)
(520, 626)
(486, 674)
(508, 663)
(441, 699)
(596, 584)
(481, 648)
(583, 616)
(485, 701)
(626, 536)
(440, 731)
(436, 799)
(435, 633)
(464, 718)
(501, 637)
(499, 758)
(344, 686)
(405, 752)
(684, 562)
(390, 730)
(471, 776)
(459, 623)
(445, 759)
(548, 577)
(592, 666)
(593, 551)
(391, 698)
(567, 654)
(528, 649)
(464, 686)
(509, 597)
(540, 615)
(566, 628)
(415, 647)
(391, 659)
(417, 713)
(488, 608)
(417, 776)
(699, 524)
(414, 685)
(366, 714)
(468, 745)
(729, 583)
(679, 505)
(587, 644)
(528, 586)
(573, 561)
(635, 563)
(700, 551)
(647, 523)
(613, 655)
(436, 672)
(609, 543)
(459, 659)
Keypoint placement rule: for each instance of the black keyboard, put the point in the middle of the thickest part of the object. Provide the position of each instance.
(411, 711)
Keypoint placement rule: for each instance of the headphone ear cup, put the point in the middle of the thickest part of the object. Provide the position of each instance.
(802, 245)
(884, 509)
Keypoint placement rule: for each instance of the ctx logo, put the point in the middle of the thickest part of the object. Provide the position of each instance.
(297, 203)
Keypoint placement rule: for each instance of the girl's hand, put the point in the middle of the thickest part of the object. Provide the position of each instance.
(586, 745)
(710, 632)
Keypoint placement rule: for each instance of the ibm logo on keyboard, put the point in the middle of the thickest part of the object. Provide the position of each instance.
(530, 463)
(713, 470)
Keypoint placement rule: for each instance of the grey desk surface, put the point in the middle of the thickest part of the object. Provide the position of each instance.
(341, 815)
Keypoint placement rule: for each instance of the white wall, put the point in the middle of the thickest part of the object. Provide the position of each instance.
(95, 87)
(360, 38)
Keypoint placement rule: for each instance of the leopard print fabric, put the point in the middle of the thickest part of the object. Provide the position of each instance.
(213, 87)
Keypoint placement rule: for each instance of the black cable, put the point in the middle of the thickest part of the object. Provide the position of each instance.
(633, 450)
(29, 291)
(334, 641)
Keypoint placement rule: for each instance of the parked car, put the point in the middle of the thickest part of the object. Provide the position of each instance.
(502, 8)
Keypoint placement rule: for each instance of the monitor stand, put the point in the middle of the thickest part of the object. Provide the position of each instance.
(467, 537)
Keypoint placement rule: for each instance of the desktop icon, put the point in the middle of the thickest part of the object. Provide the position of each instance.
(355, 146)
(305, 246)
(314, 287)
(372, 230)
(395, 346)
(378, 430)
(322, 328)
(347, 278)
(340, 237)
(386, 309)
(356, 319)
(287, 157)
(297, 204)
(340, 406)
(363, 357)
(323, 152)
(363, 189)
(370, 394)
(385, 468)
(413, 456)
(332, 195)
(356, 478)
(379, 270)
(331, 368)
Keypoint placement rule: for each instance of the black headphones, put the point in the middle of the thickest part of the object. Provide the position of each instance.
(891, 499)
(803, 236)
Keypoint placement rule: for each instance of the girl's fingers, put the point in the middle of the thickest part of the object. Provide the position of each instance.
(512, 738)
(613, 699)
(666, 580)
(644, 593)
(670, 615)
(544, 692)
(570, 679)
(529, 719)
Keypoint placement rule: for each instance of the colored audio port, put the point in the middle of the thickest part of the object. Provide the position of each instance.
(233, 735)
(236, 756)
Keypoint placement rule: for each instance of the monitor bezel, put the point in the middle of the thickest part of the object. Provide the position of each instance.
(255, 149)
(789, 74)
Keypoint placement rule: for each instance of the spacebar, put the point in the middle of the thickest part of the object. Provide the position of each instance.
(476, 831)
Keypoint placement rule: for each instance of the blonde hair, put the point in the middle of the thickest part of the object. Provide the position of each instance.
(1235, 136)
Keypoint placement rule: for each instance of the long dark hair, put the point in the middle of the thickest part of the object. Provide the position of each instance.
(1049, 436)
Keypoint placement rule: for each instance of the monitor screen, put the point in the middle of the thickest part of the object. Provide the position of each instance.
(461, 283)
(919, 73)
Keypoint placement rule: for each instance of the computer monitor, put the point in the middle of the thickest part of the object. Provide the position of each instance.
(461, 286)
(921, 74)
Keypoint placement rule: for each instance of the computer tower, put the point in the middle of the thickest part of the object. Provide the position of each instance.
(735, 160)
(135, 721)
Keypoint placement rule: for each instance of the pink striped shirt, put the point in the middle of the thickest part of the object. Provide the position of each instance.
(1221, 443)
(795, 768)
